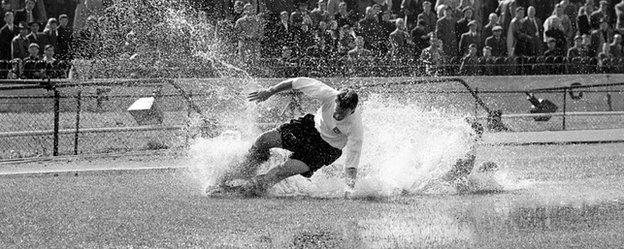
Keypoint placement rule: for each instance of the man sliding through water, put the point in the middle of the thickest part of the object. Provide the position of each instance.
(314, 140)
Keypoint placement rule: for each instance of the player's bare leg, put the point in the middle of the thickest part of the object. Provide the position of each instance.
(259, 184)
(257, 154)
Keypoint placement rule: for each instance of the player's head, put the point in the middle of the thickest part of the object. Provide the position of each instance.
(346, 102)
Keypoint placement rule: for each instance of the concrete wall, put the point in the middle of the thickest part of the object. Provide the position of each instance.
(509, 103)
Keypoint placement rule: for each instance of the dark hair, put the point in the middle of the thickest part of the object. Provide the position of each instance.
(347, 99)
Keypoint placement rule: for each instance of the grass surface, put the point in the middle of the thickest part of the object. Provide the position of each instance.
(575, 202)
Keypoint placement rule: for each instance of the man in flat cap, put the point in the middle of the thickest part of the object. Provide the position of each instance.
(470, 37)
(497, 42)
(19, 44)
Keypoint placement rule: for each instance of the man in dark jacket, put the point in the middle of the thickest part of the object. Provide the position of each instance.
(532, 26)
(34, 36)
(445, 31)
(497, 42)
(470, 37)
(19, 44)
(577, 50)
(6, 36)
(461, 26)
(65, 38)
(420, 37)
(28, 14)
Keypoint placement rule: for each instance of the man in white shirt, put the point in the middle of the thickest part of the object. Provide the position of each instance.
(315, 140)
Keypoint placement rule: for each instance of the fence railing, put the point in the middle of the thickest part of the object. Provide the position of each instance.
(63, 117)
(318, 67)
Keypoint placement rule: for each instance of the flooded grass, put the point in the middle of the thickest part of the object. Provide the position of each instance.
(169, 210)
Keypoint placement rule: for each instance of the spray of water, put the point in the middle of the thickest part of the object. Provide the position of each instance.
(406, 151)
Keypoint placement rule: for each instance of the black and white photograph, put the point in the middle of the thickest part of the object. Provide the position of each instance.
(312, 124)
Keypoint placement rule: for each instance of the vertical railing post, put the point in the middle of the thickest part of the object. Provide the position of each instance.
(56, 121)
(476, 106)
(565, 98)
(78, 107)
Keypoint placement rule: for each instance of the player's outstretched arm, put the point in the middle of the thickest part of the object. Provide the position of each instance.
(264, 94)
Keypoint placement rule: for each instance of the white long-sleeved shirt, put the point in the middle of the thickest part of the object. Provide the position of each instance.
(346, 134)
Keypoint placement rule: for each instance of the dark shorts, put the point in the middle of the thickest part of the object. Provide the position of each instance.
(301, 137)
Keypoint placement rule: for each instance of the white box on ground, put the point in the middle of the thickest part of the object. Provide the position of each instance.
(145, 111)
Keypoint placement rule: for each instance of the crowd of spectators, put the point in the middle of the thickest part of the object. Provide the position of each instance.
(432, 33)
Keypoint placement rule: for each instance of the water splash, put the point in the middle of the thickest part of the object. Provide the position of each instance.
(406, 151)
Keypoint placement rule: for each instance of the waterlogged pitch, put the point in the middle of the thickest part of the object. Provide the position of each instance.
(556, 196)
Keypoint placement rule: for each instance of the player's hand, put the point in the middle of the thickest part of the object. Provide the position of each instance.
(260, 95)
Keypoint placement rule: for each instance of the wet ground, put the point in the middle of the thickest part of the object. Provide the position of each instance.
(562, 197)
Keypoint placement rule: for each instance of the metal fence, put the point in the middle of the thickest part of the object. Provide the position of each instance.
(62, 117)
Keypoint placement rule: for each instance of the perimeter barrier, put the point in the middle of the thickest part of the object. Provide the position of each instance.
(65, 117)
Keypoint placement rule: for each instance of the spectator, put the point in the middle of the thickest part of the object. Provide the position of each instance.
(566, 24)
(371, 30)
(461, 26)
(325, 34)
(48, 54)
(577, 50)
(432, 56)
(320, 48)
(497, 42)
(344, 16)
(557, 33)
(346, 40)
(619, 13)
(486, 59)
(428, 16)
(387, 27)
(469, 61)
(50, 34)
(359, 51)
(469, 38)
(87, 8)
(487, 53)
(420, 36)
(487, 29)
(332, 7)
(88, 41)
(586, 43)
(445, 30)
(238, 12)
(410, 11)
(65, 38)
(34, 36)
(488, 6)
(305, 13)
(6, 6)
(552, 22)
(516, 40)
(615, 48)
(31, 71)
(507, 11)
(7, 33)
(28, 13)
(600, 13)
(603, 55)
(532, 28)
(600, 36)
(282, 30)
(582, 22)
(19, 44)
(319, 14)
(571, 11)
(248, 29)
(399, 40)
(553, 50)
